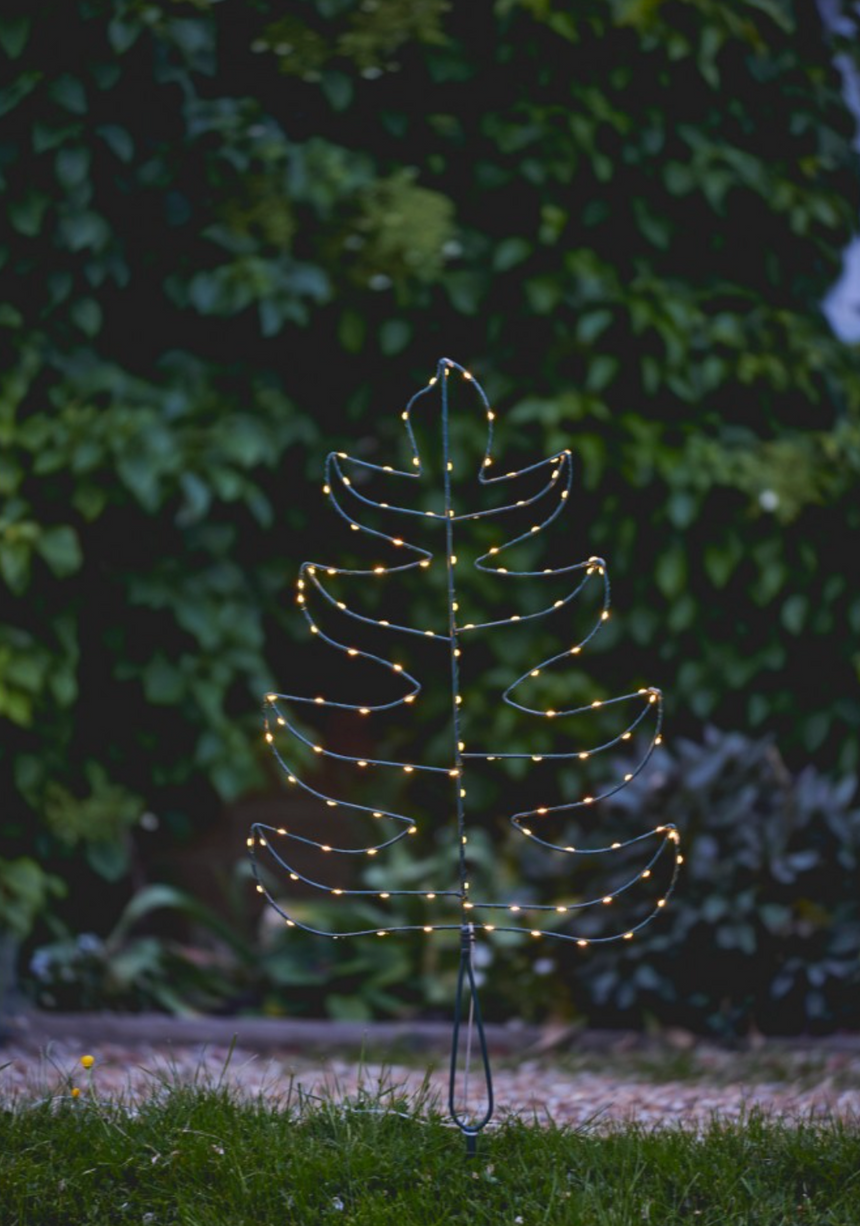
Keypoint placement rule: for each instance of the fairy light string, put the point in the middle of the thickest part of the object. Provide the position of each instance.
(313, 590)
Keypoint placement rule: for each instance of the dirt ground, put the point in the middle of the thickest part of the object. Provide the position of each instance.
(562, 1077)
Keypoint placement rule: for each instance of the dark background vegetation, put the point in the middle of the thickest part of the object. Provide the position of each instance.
(237, 233)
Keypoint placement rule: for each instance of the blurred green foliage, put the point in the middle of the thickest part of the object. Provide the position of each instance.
(764, 928)
(227, 231)
(25, 890)
(761, 934)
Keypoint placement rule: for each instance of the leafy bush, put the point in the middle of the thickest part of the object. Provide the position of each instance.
(631, 210)
(25, 891)
(127, 970)
(762, 931)
(764, 928)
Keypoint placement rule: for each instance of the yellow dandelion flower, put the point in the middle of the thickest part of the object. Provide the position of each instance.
(88, 1061)
(75, 1092)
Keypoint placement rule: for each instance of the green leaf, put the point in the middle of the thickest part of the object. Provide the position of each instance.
(106, 75)
(465, 289)
(15, 565)
(16, 707)
(338, 88)
(351, 330)
(138, 473)
(206, 292)
(61, 549)
(671, 571)
(816, 728)
(87, 314)
(72, 166)
(543, 293)
(590, 325)
(794, 612)
(14, 33)
(49, 136)
(10, 317)
(288, 971)
(135, 960)
(85, 229)
(681, 508)
(25, 670)
(601, 372)
(28, 212)
(682, 613)
(18, 90)
(122, 35)
(30, 775)
(230, 780)
(109, 860)
(710, 45)
(163, 683)
(652, 375)
(679, 178)
(510, 252)
(158, 897)
(272, 317)
(394, 336)
(118, 140)
(25, 891)
(89, 500)
(69, 92)
(197, 498)
(60, 285)
(720, 562)
(347, 1008)
(64, 687)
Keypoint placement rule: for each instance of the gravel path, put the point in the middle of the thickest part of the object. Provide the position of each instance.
(715, 1084)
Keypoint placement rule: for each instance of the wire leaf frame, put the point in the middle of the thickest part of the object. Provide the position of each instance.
(475, 915)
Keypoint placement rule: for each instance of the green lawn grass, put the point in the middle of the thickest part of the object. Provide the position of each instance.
(196, 1155)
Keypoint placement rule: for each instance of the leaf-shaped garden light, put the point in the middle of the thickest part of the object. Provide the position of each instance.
(468, 914)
